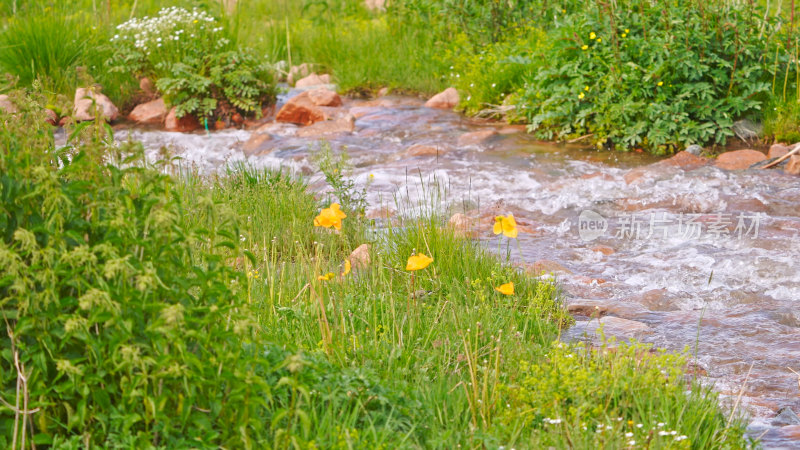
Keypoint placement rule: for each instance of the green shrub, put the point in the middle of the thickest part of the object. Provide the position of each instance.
(659, 77)
(124, 321)
(195, 63)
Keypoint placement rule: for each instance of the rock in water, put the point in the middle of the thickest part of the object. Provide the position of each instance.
(304, 109)
(447, 99)
(739, 159)
(777, 150)
(324, 97)
(151, 112)
(793, 167)
(85, 101)
(695, 149)
(184, 124)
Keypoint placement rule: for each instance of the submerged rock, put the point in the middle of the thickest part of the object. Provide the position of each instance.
(545, 266)
(447, 99)
(424, 150)
(476, 137)
(681, 160)
(346, 124)
(255, 143)
(785, 417)
(618, 327)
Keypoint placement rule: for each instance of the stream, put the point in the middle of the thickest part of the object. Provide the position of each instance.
(697, 257)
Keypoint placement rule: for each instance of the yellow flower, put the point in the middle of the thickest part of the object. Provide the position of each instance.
(347, 267)
(585, 47)
(660, 83)
(627, 31)
(506, 224)
(592, 35)
(586, 88)
(330, 217)
(624, 34)
(580, 96)
(327, 277)
(418, 262)
(599, 39)
(505, 289)
(194, 21)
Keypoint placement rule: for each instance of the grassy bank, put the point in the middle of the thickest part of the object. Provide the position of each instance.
(149, 310)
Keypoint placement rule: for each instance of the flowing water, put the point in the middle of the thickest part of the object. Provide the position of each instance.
(705, 258)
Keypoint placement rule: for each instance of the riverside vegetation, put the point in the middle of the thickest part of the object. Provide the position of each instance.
(629, 74)
(148, 310)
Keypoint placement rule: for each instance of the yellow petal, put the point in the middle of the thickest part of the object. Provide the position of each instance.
(505, 289)
(347, 267)
(498, 225)
(510, 226)
(418, 262)
(327, 277)
(335, 208)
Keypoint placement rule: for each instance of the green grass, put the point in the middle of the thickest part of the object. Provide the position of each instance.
(473, 367)
(238, 343)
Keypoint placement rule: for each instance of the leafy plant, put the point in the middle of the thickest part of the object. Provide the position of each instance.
(196, 67)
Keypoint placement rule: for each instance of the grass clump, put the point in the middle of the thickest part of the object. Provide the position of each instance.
(145, 310)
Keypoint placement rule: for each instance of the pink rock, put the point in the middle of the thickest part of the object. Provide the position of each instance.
(777, 150)
(739, 159)
(313, 80)
(324, 97)
(150, 112)
(446, 99)
(301, 110)
(184, 124)
(793, 167)
(297, 72)
(424, 150)
(86, 100)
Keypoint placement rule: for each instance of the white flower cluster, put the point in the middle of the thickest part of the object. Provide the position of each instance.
(168, 25)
